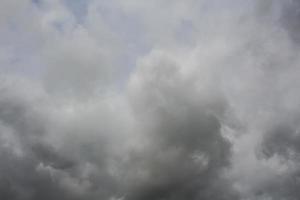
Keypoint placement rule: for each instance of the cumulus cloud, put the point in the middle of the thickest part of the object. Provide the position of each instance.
(158, 100)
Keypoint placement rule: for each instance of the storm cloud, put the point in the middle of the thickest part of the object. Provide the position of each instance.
(149, 100)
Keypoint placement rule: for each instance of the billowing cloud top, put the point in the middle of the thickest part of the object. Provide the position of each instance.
(149, 100)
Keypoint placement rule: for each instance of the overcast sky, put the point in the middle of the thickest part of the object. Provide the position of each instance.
(149, 100)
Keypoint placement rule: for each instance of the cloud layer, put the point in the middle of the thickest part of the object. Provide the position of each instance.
(149, 100)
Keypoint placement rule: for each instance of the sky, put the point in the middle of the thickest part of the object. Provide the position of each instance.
(149, 100)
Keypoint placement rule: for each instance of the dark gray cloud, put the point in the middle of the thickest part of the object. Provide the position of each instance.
(179, 151)
(290, 19)
(32, 166)
(23, 127)
(186, 151)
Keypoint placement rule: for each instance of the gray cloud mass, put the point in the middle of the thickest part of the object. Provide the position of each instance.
(149, 100)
